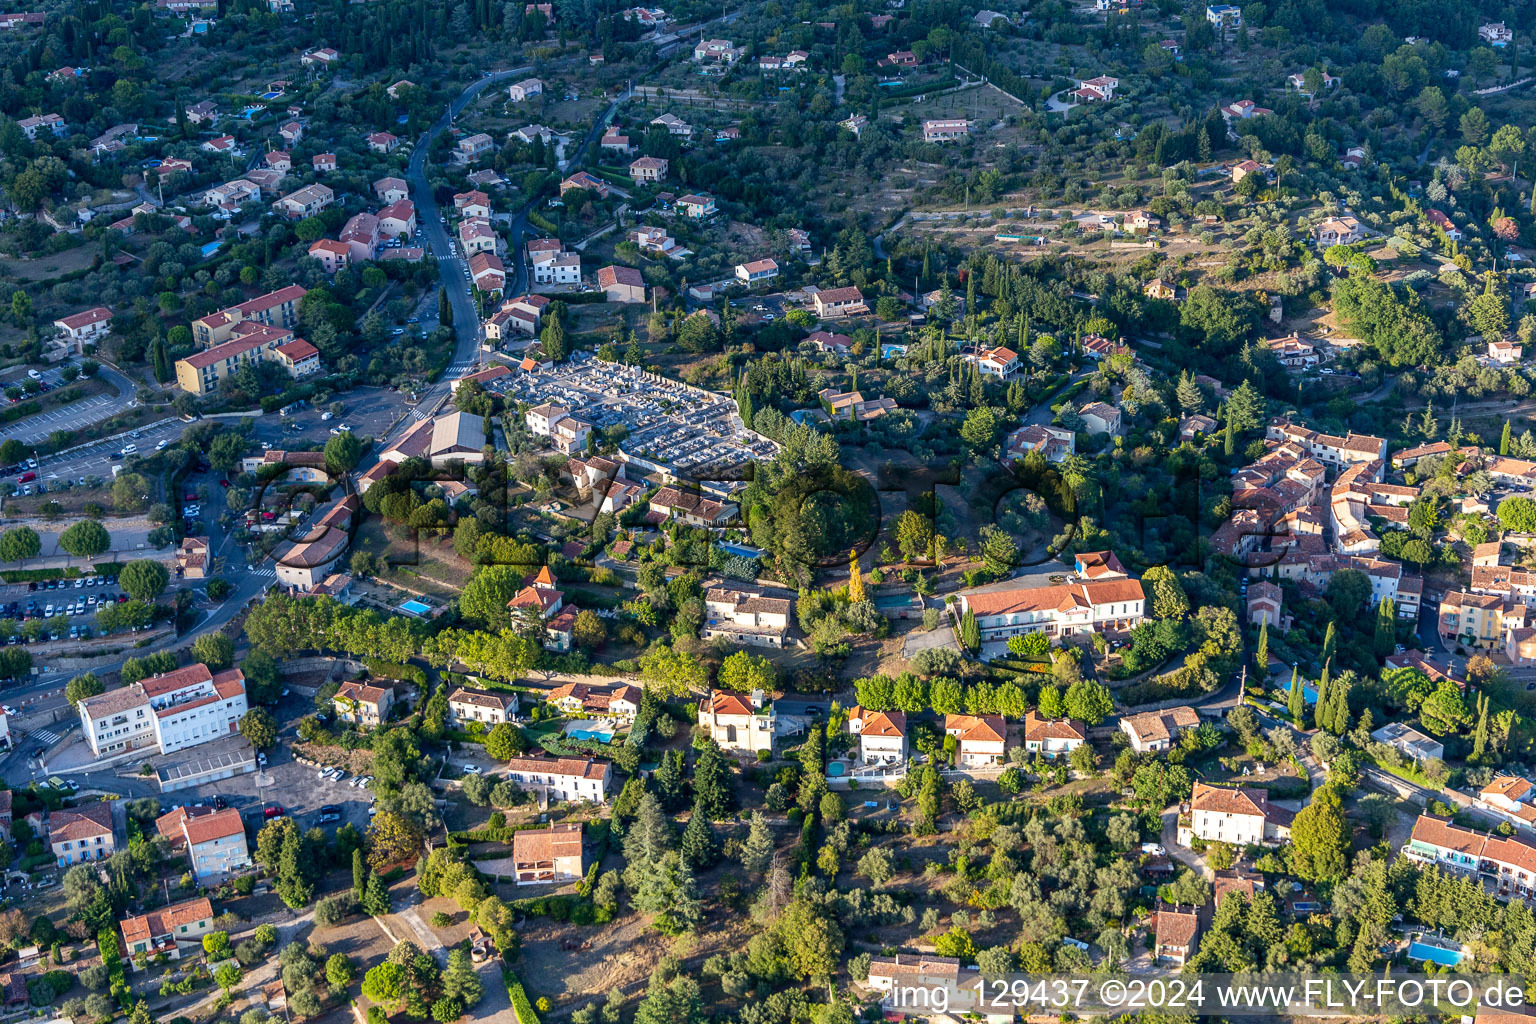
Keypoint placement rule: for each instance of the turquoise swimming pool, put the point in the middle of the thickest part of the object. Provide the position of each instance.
(415, 607)
(836, 768)
(1434, 954)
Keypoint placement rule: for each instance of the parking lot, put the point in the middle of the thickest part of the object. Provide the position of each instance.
(692, 431)
(284, 782)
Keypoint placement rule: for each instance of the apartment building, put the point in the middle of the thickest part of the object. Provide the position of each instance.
(170, 711)
(201, 373)
(274, 309)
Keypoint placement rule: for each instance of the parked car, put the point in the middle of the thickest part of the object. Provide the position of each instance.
(273, 811)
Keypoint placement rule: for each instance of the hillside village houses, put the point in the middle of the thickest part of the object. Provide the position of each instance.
(946, 130)
(78, 834)
(1338, 231)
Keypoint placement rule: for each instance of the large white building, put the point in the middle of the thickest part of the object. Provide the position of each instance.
(563, 778)
(1101, 599)
(1241, 815)
(170, 711)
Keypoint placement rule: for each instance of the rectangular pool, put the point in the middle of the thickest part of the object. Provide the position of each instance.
(1434, 954)
(415, 607)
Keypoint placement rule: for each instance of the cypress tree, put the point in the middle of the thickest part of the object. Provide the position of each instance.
(1386, 627)
(359, 873)
(1296, 702)
(1504, 440)
(444, 308)
(1320, 709)
(1229, 443)
(970, 631)
(1480, 737)
(1330, 642)
(1261, 649)
(1338, 723)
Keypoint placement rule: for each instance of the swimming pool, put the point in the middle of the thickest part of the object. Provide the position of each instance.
(601, 731)
(270, 95)
(1434, 954)
(415, 607)
(739, 549)
(836, 768)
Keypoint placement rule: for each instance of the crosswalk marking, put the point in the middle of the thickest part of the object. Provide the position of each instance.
(265, 570)
(47, 737)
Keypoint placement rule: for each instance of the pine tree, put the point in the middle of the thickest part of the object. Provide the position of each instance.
(1330, 642)
(757, 850)
(1324, 691)
(1188, 393)
(1504, 440)
(712, 787)
(376, 897)
(698, 847)
(1296, 702)
(359, 873)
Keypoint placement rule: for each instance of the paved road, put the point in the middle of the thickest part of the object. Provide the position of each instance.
(434, 228)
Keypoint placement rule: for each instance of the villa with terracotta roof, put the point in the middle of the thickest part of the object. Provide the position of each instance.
(739, 722)
(214, 840)
(574, 779)
(550, 854)
(166, 930)
(882, 735)
(1512, 797)
(980, 739)
(363, 703)
(80, 834)
(1240, 815)
(466, 704)
(1102, 600)
(1157, 730)
(1052, 737)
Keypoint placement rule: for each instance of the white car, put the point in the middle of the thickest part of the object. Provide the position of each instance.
(472, 769)
(9, 710)
(335, 432)
(130, 448)
(161, 446)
